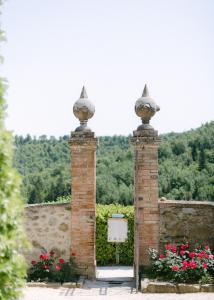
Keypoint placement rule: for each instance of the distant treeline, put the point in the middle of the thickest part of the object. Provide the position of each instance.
(186, 167)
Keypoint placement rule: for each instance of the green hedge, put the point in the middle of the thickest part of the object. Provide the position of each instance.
(105, 251)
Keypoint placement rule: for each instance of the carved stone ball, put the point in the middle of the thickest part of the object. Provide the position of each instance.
(83, 108)
(145, 107)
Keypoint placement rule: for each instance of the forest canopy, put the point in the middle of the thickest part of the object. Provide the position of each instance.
(186, 167)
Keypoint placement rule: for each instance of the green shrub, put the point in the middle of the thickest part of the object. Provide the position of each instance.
(12, 266)
(105, 251)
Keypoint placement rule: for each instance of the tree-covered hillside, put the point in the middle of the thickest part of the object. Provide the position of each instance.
(186, 167)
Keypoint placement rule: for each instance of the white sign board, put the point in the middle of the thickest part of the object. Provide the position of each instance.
(117, 230)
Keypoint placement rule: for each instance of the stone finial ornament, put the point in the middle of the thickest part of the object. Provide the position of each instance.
(145, 108)
(83, 110)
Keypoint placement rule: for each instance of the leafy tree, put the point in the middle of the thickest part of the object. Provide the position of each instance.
(186, 167)
(12, 267)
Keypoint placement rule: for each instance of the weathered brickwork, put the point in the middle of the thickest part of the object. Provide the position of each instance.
(48, 227)
(192, 220)
(146, 144)
(83, 222)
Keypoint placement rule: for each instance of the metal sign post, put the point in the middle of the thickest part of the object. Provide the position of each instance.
(117, 232)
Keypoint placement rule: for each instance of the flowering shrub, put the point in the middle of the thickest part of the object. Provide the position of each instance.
(49, 268)
(180, 264)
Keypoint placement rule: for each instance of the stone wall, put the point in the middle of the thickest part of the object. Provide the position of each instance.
(193, 220)
(48, 227)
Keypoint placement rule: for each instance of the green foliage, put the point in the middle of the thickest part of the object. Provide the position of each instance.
(12, 266)
(186, 167)
(49, 268)
(186, 164)
(105, 251)
(180, 264)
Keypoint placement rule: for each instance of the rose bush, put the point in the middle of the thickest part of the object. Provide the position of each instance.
(52, 269)
(182, 264)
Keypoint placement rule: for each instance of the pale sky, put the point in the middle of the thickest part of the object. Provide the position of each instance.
(113, 47)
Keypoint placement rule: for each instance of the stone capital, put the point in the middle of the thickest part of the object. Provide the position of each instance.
(140, 139)
(84, 139)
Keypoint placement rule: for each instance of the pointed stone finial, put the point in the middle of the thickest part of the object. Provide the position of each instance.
(83, 93)
(83, 110)
(145, 91)
(145, 108)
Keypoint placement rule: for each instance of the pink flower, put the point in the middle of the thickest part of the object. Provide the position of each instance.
(175, 268)
(173, 248)
(184, 246)
(184, 268)
(168, 247)
(206, 255)
(33, 262)
(192, 265)
(200, 255)
(61, 260)
(204, 265)
(185, 263)
(58, 267)
(207, 247)
(192, 254)
(45, 267)
(182, 252)
(43, 256)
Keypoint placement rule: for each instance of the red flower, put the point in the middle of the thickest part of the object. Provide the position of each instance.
(206, 255)
(168, 247)
(61, 260)
(207, 247)
(43, 256)
(184, 246)
(161, 256)
(182, 252)
(185, 263)
(45, 267)
(58, 267)
(200, 255)
(204, 265)
(33, 262)
(184, 268)
(73, 254)
(192, 265)
(173, 248)
(192, 254)
(175, 268)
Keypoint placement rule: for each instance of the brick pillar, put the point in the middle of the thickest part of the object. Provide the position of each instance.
(146, 142)
(83, 204)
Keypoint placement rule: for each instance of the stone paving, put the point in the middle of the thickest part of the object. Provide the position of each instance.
(100, 289)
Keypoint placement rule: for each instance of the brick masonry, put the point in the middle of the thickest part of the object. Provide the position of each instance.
(147, 218)
(83, 206)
